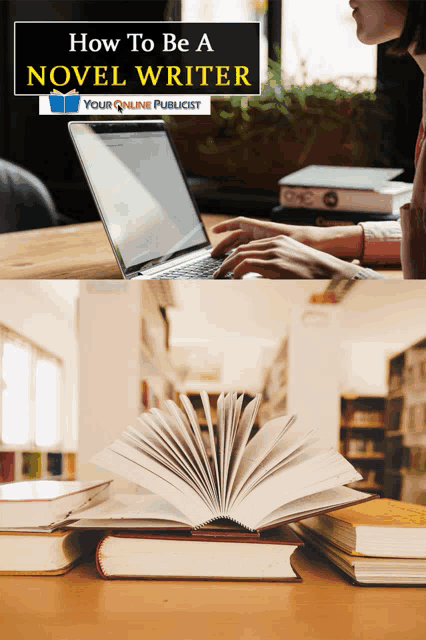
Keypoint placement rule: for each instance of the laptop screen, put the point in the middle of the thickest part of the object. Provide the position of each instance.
(140, 191)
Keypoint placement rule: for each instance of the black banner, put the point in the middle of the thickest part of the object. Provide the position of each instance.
(162, 58)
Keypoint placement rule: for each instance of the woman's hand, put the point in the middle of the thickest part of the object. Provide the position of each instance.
(284, 258)
(342, 242)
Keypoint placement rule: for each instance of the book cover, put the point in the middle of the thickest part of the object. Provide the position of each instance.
(382, 512)
(7, 466)
(54, 464)
(181, 556)
(31, 464)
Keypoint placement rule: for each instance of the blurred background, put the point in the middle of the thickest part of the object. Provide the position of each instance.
(80, 361)
(327, 99)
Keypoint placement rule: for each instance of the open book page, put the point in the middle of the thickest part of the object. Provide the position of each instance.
(258, 448)
(231, 428)
(313, 471)
(181, 423)
(162, 427)
(136, 466)
(228, 412)
(221, 417)
(207, 472)
(159, 431)
(303, 507)
(207, 413)
(153, 446)
(179, 432)
(284, 452)
(243, 431)
(135, 507)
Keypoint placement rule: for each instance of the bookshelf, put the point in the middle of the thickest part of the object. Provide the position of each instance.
(275, 386)
(362, 429)
(125, 363)
(18, 464)
(157, 375)
(405, 461)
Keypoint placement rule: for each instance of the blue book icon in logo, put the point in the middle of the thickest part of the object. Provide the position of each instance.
(64, 103)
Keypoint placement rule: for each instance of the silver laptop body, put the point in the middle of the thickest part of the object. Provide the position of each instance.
(143, 198)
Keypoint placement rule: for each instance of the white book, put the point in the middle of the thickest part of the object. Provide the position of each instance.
(280, 474)
(356, 189)
(34, 504)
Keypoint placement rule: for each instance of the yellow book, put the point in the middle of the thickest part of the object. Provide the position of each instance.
(366, 570)
(381, 528)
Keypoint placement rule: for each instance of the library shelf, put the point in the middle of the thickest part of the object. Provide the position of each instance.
(366, 456)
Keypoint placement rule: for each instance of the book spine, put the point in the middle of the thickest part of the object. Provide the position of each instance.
(336, 199)
(7, 466)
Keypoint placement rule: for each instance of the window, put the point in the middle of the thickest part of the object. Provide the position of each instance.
(235, 11)
(30, 390)
(318, 38)
(319, 43)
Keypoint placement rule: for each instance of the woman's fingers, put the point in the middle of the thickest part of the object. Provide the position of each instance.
(235, 239)
(242, 253)
(265, 268)
(232, 225)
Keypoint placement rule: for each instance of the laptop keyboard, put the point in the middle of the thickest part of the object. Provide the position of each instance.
(204, 269)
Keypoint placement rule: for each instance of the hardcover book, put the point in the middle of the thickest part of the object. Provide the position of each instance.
(383, 528)
(39, 553)
(351, 189)
(182, 556)
(46, 504)
(367, 570)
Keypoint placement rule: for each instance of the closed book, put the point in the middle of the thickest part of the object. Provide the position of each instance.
(43, 553)
(187, 557)
(344, 189)
(258, 480)
(365, 570)
(381, 528)
(46, 503)
(322, 218)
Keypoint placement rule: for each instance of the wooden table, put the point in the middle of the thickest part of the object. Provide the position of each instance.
(82, 606)
(79, 251)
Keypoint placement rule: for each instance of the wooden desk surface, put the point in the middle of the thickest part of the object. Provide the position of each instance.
(80, 606)
(79, 251)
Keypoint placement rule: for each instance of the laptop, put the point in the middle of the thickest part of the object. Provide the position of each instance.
(144, 200)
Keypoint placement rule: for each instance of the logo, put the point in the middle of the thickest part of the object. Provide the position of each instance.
(64, 102)
(303, 198)
(330, 199)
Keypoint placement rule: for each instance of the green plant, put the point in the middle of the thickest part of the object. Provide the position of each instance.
(302, 110)
(284, 111)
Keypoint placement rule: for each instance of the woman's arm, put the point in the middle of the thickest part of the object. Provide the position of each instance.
(375, 242)
(413, 250)
(382, 243)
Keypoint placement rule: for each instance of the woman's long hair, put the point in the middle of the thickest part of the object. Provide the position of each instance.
(414, 30)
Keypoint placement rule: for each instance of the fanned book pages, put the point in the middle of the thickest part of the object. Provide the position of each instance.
(279, 475)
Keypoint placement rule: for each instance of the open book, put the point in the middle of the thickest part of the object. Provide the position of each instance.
(279, 475)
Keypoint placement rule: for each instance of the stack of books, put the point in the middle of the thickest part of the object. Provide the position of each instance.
(33, 537)
(218, 516)
(381, 542)
(328, 196)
